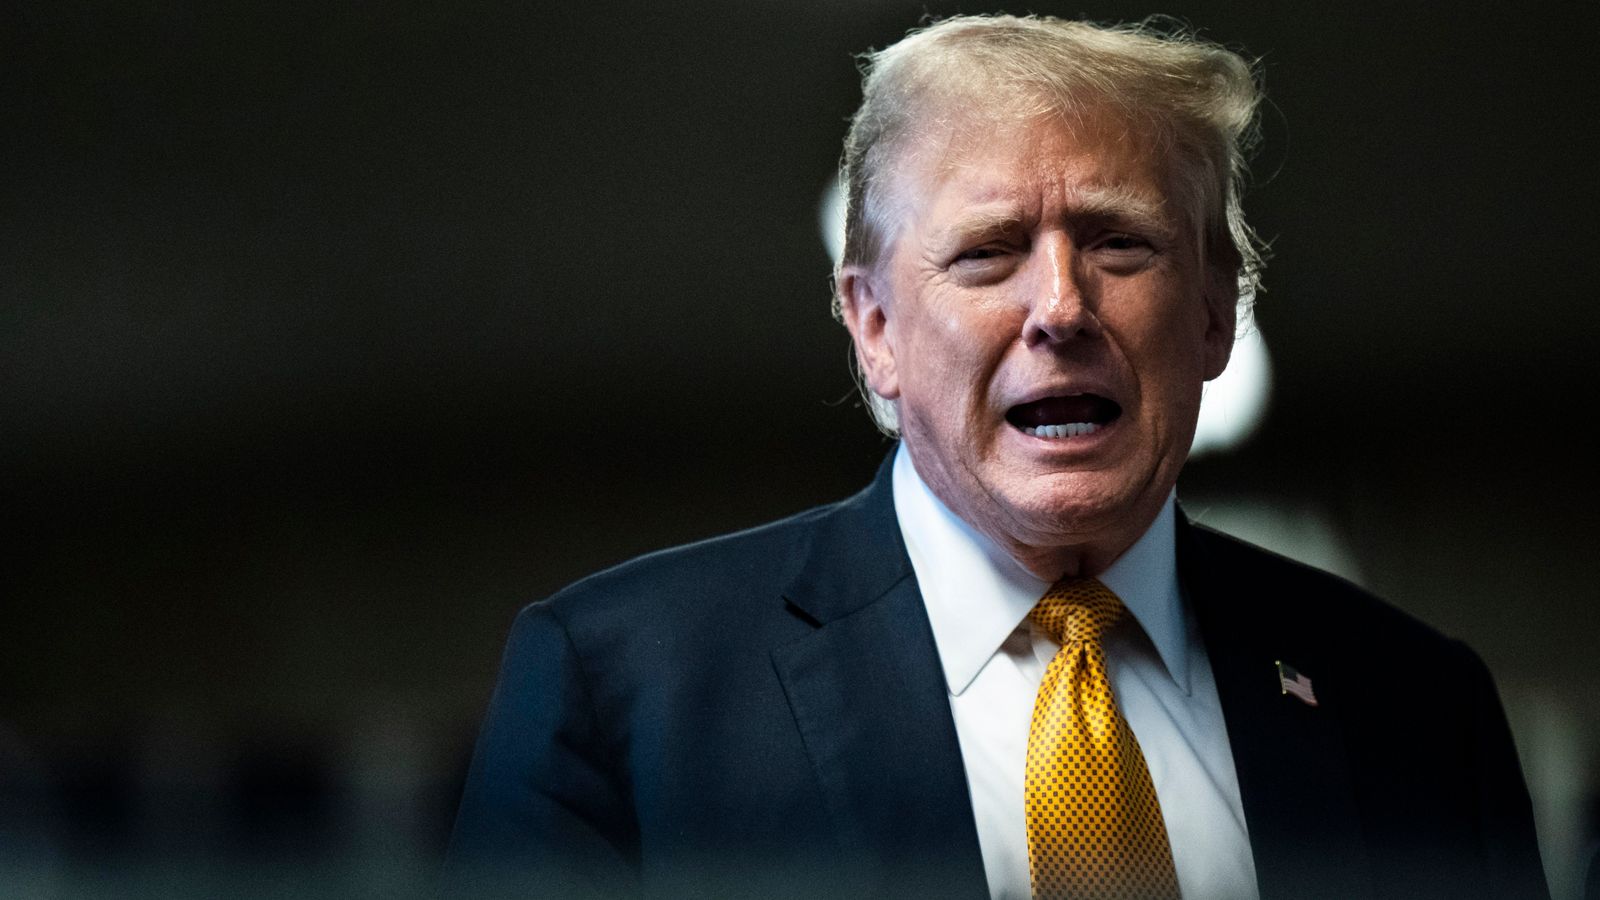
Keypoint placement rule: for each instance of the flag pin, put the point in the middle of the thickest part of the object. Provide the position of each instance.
(1293, 682)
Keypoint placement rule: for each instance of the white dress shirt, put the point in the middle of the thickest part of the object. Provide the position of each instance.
(978, 599)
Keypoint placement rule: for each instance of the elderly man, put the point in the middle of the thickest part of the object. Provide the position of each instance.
(1009, 667)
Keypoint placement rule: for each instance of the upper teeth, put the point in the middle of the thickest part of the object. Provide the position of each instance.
(1071, 429)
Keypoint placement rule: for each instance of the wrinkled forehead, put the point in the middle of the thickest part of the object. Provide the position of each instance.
(1022, 145)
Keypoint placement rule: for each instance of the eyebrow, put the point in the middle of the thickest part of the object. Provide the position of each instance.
(1118, 204)
(980, 223)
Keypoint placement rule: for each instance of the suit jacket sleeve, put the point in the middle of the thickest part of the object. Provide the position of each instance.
(541, 812)
(1510, 847)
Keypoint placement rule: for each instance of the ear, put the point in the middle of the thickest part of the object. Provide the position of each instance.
(1222, 322)
(864, 308)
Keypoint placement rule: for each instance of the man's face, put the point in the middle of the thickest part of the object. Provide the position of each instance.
(1040, 318)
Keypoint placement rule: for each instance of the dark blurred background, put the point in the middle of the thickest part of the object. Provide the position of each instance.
(334, 333)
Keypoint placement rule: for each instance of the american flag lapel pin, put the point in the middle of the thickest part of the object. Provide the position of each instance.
(1293, 682)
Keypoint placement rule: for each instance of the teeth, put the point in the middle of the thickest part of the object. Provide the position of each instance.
(1071, 429)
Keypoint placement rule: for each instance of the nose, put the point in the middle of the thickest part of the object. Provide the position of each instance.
(1059, 308)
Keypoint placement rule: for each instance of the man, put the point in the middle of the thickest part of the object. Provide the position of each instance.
(1010, 666)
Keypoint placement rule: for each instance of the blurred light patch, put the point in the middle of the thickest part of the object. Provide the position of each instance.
(1235, 401)
(1296, 529)
(1231, 407)
(1551, 747)
(830, 218)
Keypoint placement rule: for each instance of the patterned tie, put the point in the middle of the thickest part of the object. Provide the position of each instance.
(1094, 826)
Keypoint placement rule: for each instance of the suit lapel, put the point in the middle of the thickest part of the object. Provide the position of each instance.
(869, 699)
(1294, 777)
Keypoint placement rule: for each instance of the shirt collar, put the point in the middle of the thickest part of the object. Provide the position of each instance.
(976, 594)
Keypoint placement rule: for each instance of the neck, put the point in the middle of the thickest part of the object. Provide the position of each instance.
(1056, 563)
(1053, 556)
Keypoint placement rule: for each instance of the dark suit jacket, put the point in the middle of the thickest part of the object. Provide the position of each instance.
(764, 714)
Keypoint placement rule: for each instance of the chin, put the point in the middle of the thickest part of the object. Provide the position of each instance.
(1070, 507)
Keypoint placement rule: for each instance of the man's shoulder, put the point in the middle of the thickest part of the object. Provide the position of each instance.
(767, 554)
(731, 578)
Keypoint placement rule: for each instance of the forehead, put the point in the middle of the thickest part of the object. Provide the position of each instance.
(1050, 165)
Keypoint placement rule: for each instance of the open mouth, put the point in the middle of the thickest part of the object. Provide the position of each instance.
(1064, 417)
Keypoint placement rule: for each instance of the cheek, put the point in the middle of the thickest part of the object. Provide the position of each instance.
(982, 326)
(1166, 346)
(946, 337)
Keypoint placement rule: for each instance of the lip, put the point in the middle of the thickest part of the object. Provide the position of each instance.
(1064, 389)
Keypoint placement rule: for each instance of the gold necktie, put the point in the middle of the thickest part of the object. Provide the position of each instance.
(1094, 825)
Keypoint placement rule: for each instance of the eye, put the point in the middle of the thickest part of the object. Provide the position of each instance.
(1123, 252)
(1125, 243)
(978, 254)
(985, 263)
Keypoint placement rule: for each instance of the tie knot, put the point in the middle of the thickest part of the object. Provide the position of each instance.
(1077, 609)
